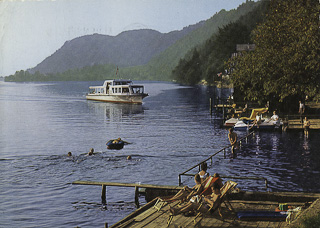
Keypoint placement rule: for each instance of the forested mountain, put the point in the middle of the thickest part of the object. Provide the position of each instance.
(206, 61)
(129, 48)
(163, 64)
(140, 54)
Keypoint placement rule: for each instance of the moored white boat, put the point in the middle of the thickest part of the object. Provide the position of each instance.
(257, 122)
(119, 91)
(231, 122)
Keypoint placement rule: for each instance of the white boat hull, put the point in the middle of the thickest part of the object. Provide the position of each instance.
(265, 125)
(231, 122)
(117, 91)
(131, 99)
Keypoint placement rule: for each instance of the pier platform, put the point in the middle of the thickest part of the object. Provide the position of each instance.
(150, 216)
(295, 124)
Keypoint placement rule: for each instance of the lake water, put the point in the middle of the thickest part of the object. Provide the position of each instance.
(169, 133)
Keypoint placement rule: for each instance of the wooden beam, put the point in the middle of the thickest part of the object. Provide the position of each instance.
(127, 185)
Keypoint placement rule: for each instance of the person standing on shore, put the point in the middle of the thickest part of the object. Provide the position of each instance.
(233, 139)
(301, 110)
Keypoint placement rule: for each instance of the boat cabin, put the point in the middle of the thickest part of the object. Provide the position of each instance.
(124, 87)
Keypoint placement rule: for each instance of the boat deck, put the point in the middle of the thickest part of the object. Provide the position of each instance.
(149, 216)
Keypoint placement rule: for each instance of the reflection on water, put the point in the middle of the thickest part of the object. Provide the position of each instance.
(169, 133)
(114, 112)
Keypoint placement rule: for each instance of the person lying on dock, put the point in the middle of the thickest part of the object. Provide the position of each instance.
(186, 193)
(199, 203)
(203, 189)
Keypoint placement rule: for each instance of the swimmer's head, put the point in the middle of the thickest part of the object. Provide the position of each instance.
(91, 151)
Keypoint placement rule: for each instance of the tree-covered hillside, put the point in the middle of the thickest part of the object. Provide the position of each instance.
(160, 67)
(285, 65)
(207, 61)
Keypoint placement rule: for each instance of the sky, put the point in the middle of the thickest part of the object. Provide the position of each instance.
(32, 30)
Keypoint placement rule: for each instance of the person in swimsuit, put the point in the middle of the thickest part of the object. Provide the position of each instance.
(203, 173)
(186, 193)
(306, 126)
(233, 139)
(205, 201)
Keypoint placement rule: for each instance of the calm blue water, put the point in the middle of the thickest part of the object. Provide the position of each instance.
(173, 130)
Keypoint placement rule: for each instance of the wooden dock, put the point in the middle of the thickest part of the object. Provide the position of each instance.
(148, 216)
(295, 124)
(150, 191)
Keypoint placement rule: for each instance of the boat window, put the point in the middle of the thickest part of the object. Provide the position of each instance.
(137, 89)
(125, 90)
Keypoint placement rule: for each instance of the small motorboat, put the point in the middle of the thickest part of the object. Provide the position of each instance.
(257, 122)
(231, 122)
(115, 144)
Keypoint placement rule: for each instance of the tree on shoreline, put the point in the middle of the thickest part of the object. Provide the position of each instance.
(285, 65)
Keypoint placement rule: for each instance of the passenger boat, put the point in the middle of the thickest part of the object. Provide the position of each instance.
(118, 90)
(257, 122)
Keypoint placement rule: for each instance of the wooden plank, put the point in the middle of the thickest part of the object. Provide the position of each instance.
(151, 217)
(135, 213)
(296, 124)
(127, 185)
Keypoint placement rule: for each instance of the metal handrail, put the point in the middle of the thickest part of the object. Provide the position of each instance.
(242, 178)
(199, 164)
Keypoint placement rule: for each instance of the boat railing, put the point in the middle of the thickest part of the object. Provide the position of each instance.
(185, 173)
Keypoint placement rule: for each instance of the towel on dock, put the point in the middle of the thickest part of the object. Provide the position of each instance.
(261, 215)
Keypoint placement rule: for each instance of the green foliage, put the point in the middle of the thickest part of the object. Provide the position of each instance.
(92, 73)
(216, 50)
(160, 67)
(286, 61)
(164, 64)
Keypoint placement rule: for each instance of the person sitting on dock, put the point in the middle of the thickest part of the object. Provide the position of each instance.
(186, 193)
(219, 180)
(203, 173)
(200, 203)
(275, 117)
(233, 139)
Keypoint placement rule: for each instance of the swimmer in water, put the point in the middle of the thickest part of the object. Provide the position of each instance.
(91, 152)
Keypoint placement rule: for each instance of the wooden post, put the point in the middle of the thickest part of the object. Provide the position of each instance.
(106, 225)
(224, 152)
(103, 194)
(210, 106)
(266, 182)
(136, 196)
(223, 112)
(180, 180)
